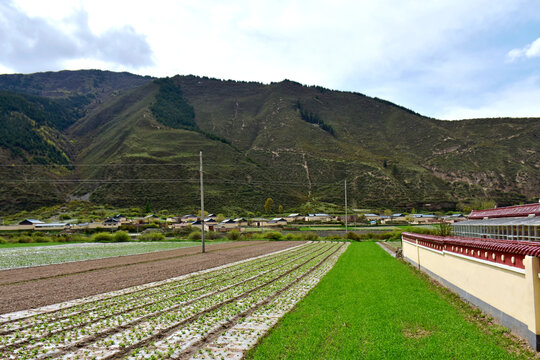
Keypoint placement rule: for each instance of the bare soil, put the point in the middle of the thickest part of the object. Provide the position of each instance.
(27, 288)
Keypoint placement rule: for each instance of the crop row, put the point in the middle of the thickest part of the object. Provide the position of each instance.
(171, 291)
(234, 342)
(130, 323)
(12, 258)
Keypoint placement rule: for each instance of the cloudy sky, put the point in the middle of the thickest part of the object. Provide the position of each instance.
(449, 59)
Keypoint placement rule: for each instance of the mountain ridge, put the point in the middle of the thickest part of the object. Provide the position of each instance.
(294, 143)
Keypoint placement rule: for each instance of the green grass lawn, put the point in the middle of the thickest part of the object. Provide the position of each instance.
(371, 306)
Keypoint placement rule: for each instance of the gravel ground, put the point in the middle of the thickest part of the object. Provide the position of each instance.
(28, 288)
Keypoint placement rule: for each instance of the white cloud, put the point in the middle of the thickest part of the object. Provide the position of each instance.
(29, 43)
(519, 99)
(531, 50)
(424, 55)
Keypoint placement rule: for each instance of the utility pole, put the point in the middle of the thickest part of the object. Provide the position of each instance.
(346, 217)
(202, 205)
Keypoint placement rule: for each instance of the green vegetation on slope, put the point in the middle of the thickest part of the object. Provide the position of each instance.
(171, 109)
(370, 306)
(139, 141)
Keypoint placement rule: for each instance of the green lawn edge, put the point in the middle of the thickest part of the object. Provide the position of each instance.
(372, 306)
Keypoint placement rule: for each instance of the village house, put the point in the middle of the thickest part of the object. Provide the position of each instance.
(198, 224)
(425, 219)
(259, 222)
(210, 221)
(226, 224)
(241, 222)
(189, 218)
(111, 223)
(318, 217)
(372, 217)
(277, 222)
(294, 217)
(399, 217)
(31, 222)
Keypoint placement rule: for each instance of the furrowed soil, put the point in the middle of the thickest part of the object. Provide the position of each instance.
(27, 288)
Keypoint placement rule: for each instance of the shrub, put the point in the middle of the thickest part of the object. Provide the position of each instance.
(353, 236)
(121, 236)
(211, 235)
(40, 237)
(234, 235)
(152, 236)
(78, 238)
(310, 236)
(102, 237)
(273, 235)
(195, 235)
(3, 241)
(24, 239)
(291, 237)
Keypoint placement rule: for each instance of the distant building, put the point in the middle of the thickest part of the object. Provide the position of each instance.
(372, 217)
(111, 223)
(318, 217)
(189, 218)
(521, 222)
(226, 225)
(425, 219)
(51, 226)
(277, 222)
(241, 222)
(294, 217)
(259, 222)
(31, 222)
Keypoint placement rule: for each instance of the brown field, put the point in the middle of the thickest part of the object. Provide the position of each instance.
(28, 288)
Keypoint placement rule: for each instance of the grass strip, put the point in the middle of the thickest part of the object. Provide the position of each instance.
(371, 306)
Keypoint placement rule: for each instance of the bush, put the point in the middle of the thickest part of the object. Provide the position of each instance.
(3, 241)
(273, 235)
(152, 236)
(41, 238)
(234, 235)
(121, 236)
(353, 236)
(24, 239)
(211, 235)
(310, 236)
(291, 237)
(102, 237)
(195, 235)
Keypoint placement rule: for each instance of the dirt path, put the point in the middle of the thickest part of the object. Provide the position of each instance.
(44, 285)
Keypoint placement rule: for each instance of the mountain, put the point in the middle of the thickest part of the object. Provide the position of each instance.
(125, 140)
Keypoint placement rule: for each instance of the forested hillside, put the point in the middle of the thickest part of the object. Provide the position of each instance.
(125, 140)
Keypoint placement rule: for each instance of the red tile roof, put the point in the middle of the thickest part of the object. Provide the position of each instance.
(509, 211)
(511, 246)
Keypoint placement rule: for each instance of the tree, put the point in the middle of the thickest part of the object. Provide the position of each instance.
(268, 205)
(220, 218)
(206, 213)
(147, 207)
(280, 209)
(445, 229)
(388, 212)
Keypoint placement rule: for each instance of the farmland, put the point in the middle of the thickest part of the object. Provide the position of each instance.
(213, 313)
(44, 255)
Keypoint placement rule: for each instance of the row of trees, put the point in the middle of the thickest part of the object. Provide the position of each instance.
(313, 118)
